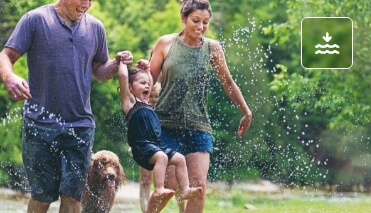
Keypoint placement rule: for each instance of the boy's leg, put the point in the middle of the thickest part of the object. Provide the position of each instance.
(144, 187)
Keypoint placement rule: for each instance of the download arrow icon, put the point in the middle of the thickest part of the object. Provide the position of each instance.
(327, 38)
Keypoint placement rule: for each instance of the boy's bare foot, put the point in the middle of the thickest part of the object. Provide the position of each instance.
(159, 199)
(191, 193)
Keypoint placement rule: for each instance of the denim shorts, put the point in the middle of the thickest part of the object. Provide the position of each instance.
(56, 160)
(187, 141)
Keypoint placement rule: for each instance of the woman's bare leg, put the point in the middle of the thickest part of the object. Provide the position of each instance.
(198, 167)
(181, 173)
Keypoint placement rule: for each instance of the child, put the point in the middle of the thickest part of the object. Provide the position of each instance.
(155, 92)
(145, 178)
(144, 133)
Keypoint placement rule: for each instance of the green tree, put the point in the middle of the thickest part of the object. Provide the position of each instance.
(300, 117)
(335, 101)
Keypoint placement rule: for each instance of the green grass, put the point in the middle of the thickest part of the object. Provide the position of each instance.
(234, 201)
(294, 206)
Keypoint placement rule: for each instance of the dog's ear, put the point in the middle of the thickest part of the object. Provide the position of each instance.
(91, 162)
(120, 176)
(90, 178)
(122, 173)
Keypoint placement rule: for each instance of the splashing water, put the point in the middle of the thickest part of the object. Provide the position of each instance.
(256, 154)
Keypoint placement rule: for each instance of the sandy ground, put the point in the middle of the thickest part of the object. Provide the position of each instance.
(127, 198)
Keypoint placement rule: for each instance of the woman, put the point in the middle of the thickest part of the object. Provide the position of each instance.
(183, 59)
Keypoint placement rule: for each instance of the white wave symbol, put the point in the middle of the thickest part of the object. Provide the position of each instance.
(327, 46)
(327, 52)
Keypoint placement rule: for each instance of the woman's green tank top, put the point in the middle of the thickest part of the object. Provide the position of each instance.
(182, 103)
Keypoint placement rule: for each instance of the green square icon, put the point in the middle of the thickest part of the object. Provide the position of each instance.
(327, 43)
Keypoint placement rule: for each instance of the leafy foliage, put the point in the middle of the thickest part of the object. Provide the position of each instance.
(332, 98)
(306, 123)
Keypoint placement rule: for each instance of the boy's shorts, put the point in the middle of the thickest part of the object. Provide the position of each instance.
(187, 141)
(56, 160)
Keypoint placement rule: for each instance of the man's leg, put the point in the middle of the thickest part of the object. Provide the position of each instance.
(36, 206)
(41, 165)
(75, 161)
(69, 205)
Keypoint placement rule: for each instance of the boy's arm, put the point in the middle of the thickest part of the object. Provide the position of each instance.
(127, 99)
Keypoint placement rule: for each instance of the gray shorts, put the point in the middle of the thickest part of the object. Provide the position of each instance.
(56, 160)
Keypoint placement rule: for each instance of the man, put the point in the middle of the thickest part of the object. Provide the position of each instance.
(65, 48)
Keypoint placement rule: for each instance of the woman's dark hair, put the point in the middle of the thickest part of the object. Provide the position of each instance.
(190, 5)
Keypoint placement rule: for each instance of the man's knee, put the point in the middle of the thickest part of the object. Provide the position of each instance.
(68, 199)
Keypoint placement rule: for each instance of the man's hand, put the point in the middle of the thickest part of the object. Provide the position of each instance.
(125, 56)
(17, 88)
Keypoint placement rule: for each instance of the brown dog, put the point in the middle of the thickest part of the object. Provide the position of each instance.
(104, 179)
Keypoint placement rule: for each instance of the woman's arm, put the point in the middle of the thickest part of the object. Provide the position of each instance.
(159, 54)
(219, 65)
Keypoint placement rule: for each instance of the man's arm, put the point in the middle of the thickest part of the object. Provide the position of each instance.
(107, 70)
(16, 86)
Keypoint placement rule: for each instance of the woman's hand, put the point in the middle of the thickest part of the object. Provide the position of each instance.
(143, 64)
(244, 124)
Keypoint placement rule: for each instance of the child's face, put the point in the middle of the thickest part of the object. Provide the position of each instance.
(141, 86)
(155, 92)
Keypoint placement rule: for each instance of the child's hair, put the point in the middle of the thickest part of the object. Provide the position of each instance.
(134, 72)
